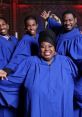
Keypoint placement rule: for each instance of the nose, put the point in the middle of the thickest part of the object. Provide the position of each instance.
(31, 27)
(67, 22)
(46, 48)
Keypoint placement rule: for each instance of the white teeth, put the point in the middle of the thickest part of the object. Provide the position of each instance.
(32, 31)
(2, 30)
(47, 53)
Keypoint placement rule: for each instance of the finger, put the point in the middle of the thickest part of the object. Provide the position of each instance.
(49, 12)
(2, 78)
(43, 13)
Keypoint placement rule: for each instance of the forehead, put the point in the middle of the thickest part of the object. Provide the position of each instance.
(46, 43)
(68, 16)
(2, 21)
(30, 21)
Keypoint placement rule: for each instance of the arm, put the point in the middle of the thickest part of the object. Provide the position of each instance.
(22, 52)
(53, 20)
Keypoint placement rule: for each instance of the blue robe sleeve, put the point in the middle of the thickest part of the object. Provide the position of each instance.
(9, 89)
(22, 51)
(71, 47)
(53, 24)
(73, 69)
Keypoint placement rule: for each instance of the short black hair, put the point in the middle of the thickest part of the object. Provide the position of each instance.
(2, 18)
(68, 12)
(47, 36)
(30, 17)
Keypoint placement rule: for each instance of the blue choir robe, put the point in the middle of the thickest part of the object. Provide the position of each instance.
(53, 24)
(49, 88)
(70, 44)
(7, 48)
(27, 46)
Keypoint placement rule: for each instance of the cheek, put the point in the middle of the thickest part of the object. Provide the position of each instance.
(35, 28)
(42, 51)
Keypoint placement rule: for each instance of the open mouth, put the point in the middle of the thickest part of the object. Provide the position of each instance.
(2, 31)
(47, 53)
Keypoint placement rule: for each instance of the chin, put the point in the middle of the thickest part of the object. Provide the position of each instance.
(3, 34)
(47, 59)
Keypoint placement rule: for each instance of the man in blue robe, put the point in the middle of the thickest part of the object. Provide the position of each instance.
(69, 43)
(7, 43)
(7, 46)
(28, 46)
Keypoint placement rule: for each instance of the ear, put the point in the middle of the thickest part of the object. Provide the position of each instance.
(37, 25)
(8, 26)
(76, 20)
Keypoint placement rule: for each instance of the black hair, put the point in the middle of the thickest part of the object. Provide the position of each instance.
(2, 18)
(30, 17)
(68, 12)
(47, 36)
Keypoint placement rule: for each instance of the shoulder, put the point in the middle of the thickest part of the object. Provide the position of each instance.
(33, 59)
(13, 38)
(64, 59)
(26, 36)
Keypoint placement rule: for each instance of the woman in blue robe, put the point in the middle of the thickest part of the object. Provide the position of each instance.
(69, 43)
(49, 82)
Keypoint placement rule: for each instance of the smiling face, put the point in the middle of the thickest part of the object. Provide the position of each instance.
(4, 27)
(69, 21)
(31, 27)
(47, 51)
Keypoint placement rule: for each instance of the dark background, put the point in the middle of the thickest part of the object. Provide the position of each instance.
(16, 10)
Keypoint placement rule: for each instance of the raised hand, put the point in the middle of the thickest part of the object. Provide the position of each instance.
(45, 14)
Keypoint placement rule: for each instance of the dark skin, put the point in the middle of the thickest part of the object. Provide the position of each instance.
(47, 51)
(68, 20)
(30, 27)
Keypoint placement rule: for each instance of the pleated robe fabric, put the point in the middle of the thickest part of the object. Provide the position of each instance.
(10, 96)
(9, 92)
(7, 48)
(49, 88)
(70, 44)
(28, 46)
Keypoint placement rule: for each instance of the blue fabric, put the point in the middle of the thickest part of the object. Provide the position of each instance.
(10, 89)
(27, 46)
(7, 48)
(70, 44)
(52, 23)
(7, 112)
(49, 88)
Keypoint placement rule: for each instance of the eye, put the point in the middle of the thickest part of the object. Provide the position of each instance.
(42, 46)
(50, 46)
